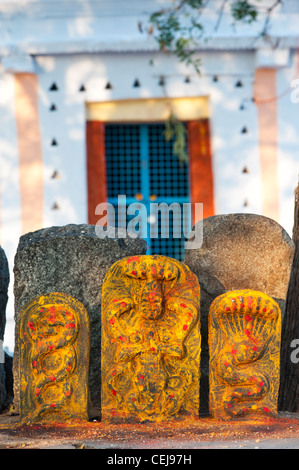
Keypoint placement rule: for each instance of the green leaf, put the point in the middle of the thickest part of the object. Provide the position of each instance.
(244, 11)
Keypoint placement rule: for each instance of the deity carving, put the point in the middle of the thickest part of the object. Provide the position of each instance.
(150, 339)
(244, 345)
(54, 359)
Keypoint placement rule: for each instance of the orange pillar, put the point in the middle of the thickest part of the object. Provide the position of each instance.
(30, 151)
(200, 166)
(265, 96)
(96, 168)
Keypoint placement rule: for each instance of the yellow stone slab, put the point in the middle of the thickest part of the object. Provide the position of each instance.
(244, 346)
(150, 339)
(54, 359)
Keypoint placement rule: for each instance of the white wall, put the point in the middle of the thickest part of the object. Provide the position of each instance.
(232, 150)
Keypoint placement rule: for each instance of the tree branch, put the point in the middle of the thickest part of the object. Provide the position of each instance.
(220, 15)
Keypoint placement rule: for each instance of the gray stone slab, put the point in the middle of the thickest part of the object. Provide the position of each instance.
(73, 260)
(239, 251)
(4, 283)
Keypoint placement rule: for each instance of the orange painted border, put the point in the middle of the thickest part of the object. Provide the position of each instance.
(96, 168)
(200, 166)
(30, 151)
(264, 96)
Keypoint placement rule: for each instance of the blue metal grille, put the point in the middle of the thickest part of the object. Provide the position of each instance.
(123, 160)
(168, 176)
(141, 165)
(173, 247)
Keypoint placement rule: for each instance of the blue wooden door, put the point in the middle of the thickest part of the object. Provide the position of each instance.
(141, 165)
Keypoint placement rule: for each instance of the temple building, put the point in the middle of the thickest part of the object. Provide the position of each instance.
(85, 93)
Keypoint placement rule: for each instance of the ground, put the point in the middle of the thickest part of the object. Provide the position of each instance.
(196, 433)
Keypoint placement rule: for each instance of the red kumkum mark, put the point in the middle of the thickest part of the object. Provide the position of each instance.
(30, 325)
(112, 321)
(233, 351)
(133, 258)
(183, 305)
(152, 296)
(52, 378)
(248, 318)
(266, 409)
(34, 363)
(123, 304)
(37, 391)
(67, 394)
(185, 327)
(122, 338)
(249, 302)
(52, 405)
(141, 377)
(249, 336)
(70, 325)
(152, 349)
(113, 392)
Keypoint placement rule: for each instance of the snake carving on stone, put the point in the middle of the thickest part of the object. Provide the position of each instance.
(50, 359)
(150, 339)
(244, 344)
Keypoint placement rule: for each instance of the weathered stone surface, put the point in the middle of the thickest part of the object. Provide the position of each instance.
(239, 251)
(244, 344)
(54, 337)
(70, 259)
(4, 282)
(150, 340)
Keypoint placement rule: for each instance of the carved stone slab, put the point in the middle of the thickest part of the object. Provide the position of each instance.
(238, 253)
(74, 260)
(54, 359)
(150, 339)
(244, 344)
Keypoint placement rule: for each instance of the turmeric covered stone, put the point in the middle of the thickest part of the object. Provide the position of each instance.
(54, 359)
(150, 340)
(244, 344)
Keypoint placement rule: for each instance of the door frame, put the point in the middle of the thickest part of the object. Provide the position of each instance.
(194, 111)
